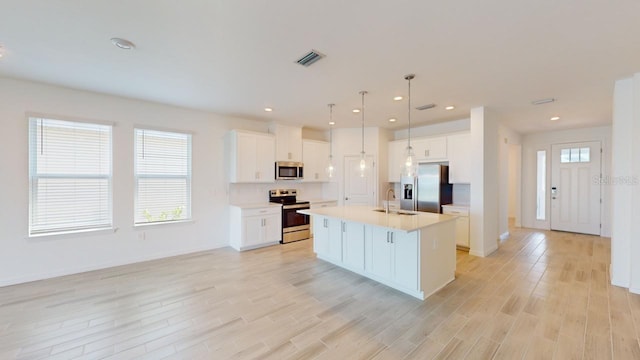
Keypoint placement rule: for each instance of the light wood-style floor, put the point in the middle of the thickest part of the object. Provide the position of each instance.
(543, 295)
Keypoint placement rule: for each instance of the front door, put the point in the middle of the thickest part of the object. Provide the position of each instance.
(575, 187)
(359, 187)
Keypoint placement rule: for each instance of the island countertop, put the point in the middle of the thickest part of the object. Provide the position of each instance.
(368, 215)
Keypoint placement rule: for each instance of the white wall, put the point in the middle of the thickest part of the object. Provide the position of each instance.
(515, 183)
(507, 138)
(531, 143)
(625, 184)
(23, 258)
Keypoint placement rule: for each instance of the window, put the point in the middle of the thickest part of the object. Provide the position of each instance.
(541, 181)
(163, 176)
(575, 155)
(69, 176)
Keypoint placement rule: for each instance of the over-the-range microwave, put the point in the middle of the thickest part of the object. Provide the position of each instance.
(289, 170)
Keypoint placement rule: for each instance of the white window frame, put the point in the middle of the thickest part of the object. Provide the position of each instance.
(34, 177)
(188, 177)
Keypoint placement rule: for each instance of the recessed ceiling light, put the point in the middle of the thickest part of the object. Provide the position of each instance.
(398, 98)
(332, 122)
(450, 107)
(555, 118)
(268, 109)
(356, 111)
(123, 43)
(392, 120)
(543, 101)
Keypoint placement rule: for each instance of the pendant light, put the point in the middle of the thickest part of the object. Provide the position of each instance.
(409, 168)
(363, 161)
(330, 167)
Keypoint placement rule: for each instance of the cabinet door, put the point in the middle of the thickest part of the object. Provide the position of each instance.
(335, 239)
(405, 258)
(272, 228)
(459, 153)
(294, 152)
(321, 235)
(264, 159)
(396, 157)
(462, 231)
(430, 149)
(315, 156)
(253, 232)
(246, 149)
(353, 245)
(380, 253)
(437, 148)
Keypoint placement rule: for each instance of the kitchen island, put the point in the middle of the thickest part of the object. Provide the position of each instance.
(413, 252)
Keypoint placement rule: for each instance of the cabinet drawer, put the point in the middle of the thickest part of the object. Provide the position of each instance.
(261, 211)
(458, 211)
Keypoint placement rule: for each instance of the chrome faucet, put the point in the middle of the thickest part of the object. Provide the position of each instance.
(390, 190)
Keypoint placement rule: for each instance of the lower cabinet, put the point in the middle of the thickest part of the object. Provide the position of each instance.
(327, 238)
(255, 227)
(353, 245)
(393, 256)
(462, 223)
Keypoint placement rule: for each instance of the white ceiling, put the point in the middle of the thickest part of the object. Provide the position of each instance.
(237, 56)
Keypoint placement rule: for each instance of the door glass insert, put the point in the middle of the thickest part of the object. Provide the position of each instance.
(574, 155)
(541, 181)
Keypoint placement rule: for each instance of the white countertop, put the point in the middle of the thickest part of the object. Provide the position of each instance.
(366, 215)
(256, 205)
(317, 201)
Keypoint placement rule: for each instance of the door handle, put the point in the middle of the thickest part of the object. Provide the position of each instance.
(387, 237)
(392, 238)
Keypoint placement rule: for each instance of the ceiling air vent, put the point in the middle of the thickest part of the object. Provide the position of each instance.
(426, 107)
(309, 58)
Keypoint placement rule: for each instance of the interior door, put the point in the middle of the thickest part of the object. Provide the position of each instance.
(575, 187)
(359, 188)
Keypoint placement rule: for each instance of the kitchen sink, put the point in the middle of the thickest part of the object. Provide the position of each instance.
(395, 212)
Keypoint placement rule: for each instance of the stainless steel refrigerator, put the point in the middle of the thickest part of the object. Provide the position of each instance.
(428, 190)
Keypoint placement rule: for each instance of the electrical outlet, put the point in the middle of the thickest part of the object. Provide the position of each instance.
(142, 235)
(435, 244)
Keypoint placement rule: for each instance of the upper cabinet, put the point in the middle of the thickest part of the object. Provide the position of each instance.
(315, 156)
(288, 142)
(430, 149)
(459, 151)
(251, 157)
(396, 158)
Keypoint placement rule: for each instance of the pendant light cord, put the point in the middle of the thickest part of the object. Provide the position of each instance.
(362, 110)
(409, 112)
(331, 130)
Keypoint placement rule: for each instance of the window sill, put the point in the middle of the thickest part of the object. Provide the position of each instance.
(162, 223)
(73, 233)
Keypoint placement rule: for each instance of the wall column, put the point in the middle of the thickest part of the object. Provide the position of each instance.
(484, 190)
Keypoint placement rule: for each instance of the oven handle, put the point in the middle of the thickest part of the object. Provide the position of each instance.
(296, 206)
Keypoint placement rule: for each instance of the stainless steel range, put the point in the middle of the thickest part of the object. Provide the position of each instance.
(295, 226)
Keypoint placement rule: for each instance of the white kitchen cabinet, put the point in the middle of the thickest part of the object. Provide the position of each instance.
(459, 153)
(255, 227)
(251, 157)
(462, 223)
(353, 245)
(288, 142)
(396, 151)
(327, 238)
(393, 256)
(315, 204)
(315, 156)
(430, 149)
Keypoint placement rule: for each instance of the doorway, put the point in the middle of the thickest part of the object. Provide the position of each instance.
(359, 187)
(575, 187)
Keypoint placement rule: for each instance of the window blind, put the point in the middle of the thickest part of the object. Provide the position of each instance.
(69, 176)
(163, 176)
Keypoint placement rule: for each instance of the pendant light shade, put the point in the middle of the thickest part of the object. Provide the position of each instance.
(363, 161)
(330, 168)
(409, 166)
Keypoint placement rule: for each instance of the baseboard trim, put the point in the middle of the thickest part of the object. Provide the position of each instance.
(504, 236)
(485, 253)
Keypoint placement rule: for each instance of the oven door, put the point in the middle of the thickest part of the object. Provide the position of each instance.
(295, 226)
